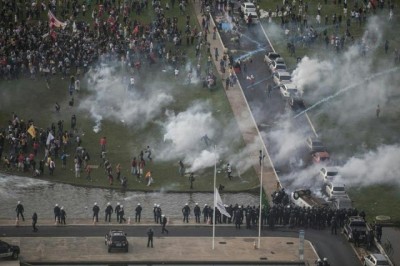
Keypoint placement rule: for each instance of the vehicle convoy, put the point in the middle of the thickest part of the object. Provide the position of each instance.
(116, 239)
(9, 251)
(304, 198)
(355, 223)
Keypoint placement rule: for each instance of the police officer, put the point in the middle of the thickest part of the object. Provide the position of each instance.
(150, 235)
(205, 213)
(197, 212)
(34, 222)
(109, 210)
(121, 215)
(138, 212)
(238, 217)
(378, 230)
(57, 212)
(63, 215)
(186, 212)
(158, 213)
(164, 221)
(116, 210)
(20, 210)
(333, 226)
(155, 212)
(96, 211)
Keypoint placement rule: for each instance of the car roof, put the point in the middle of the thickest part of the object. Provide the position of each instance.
(378, 256)
(117, 232)
(290, 86)
(330, 169)
(284, 73)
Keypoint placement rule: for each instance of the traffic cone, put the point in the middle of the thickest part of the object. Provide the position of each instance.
(129, 220)
(16, 222)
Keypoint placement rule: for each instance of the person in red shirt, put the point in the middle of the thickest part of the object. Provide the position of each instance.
(103, 142)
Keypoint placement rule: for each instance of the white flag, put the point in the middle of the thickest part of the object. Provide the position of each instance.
(50, 137)
(219, 205)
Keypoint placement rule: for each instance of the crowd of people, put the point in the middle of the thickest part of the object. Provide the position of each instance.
(34, 45)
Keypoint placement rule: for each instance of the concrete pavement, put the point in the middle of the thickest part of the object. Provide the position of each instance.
(244, 117)
(57, 250)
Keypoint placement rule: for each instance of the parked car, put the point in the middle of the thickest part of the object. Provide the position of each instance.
(253, 15)
(315, 144)
(116, 239)
(342, 203)
(328, 173)
(355, 222)
(289, 90)
(335, 190)
(271, 56)
(276, 67)
(320, 156)
(375, 259)
(9, 251)
(282, 78)
(247, 7)
(296, 103)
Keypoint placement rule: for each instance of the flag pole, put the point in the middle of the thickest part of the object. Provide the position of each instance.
(261, 187)
(215, 194)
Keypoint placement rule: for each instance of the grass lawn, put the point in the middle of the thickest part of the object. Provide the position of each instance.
(367, 133)
(31, 99)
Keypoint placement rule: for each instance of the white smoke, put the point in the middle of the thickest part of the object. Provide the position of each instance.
(380, 166)
(185, 136)
(111, 99)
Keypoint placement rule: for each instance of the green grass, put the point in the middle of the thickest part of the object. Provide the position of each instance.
(31, 99)
(367, 132)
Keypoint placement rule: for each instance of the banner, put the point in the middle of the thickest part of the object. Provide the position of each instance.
(32, 131)
(219, 205)
(54, 22)
(50, 137)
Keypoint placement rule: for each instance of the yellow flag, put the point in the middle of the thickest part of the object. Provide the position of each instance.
(32, 131)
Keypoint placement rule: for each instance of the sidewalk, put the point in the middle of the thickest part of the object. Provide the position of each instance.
(48, 250)
(244, 118)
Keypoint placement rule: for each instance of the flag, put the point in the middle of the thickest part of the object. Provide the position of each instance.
(50, 137)
(219, 205)
(32, 131)
(54, 22)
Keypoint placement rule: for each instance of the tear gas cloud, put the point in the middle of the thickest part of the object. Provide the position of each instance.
(351, 72)
(185, 139)
(285, 140)
(111, 99)
(184, 132)
(374, 167)
(321, 78)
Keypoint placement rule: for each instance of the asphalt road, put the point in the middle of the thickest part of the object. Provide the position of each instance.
(271, 110)
(334, 247)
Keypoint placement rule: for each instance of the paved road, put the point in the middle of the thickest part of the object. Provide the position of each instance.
(326, 245)
(270, 112)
